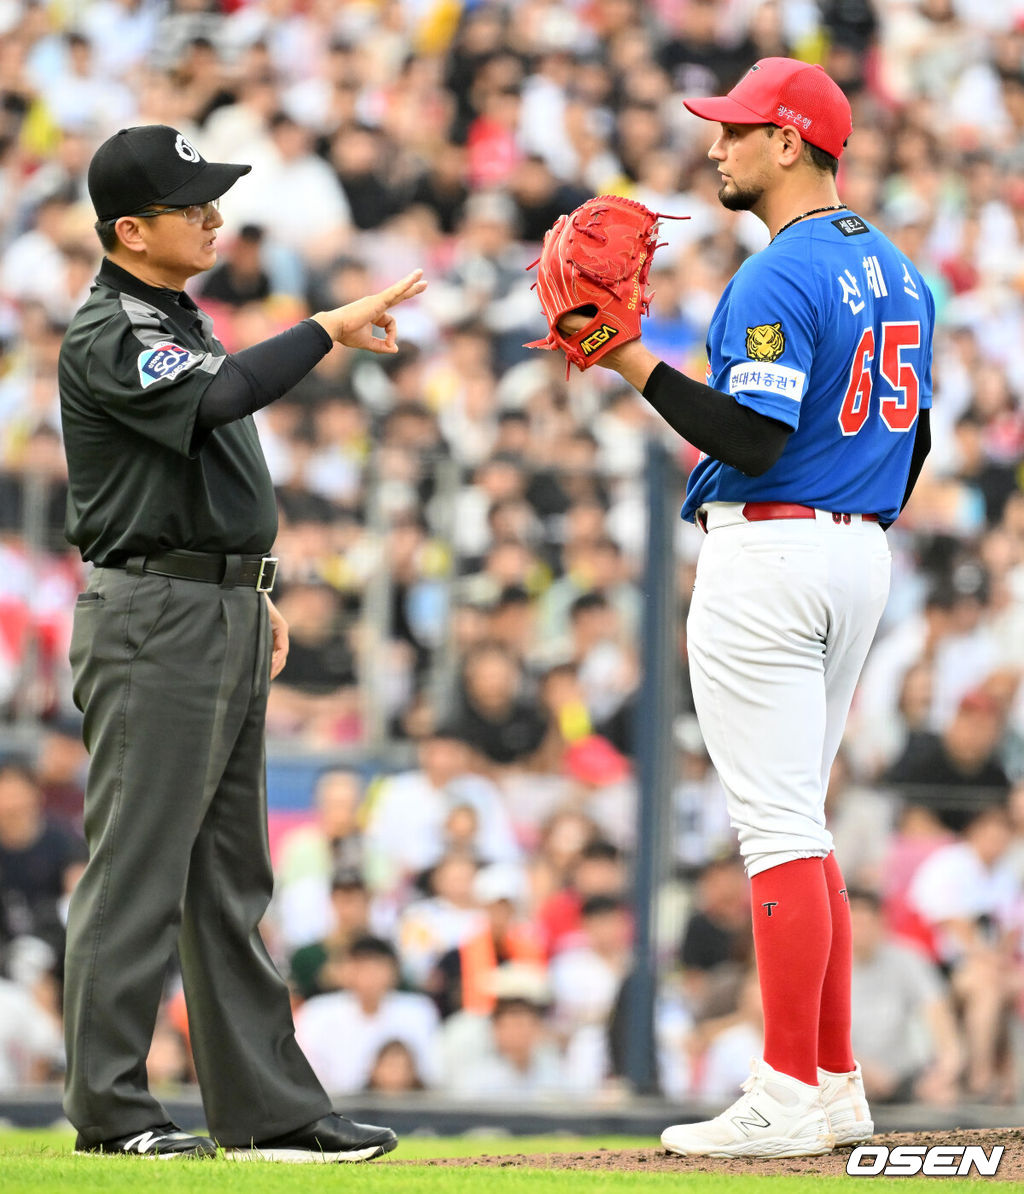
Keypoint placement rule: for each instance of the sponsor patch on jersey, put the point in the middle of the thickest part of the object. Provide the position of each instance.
(598, 338)
(162, 363)
(850, 225)
(768, 379)
(765, 342)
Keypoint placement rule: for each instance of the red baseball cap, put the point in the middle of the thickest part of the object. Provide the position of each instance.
(784, 91)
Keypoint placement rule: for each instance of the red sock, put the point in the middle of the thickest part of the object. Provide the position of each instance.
(835, 1052)
(792, 934)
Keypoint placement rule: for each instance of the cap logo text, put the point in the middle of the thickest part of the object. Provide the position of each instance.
(185, 149)
(793, 117)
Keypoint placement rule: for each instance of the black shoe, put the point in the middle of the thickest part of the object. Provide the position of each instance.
(164, 1141)
(332, 1138)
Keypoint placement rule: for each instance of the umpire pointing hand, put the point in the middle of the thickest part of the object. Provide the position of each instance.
(175, 642)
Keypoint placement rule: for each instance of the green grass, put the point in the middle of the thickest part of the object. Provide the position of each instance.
(41, 1162)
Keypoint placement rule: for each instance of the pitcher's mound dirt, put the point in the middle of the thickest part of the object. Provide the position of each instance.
(656, 1160)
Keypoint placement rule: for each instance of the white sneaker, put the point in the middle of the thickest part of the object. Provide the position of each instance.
(778, 1116)
(847, 1106)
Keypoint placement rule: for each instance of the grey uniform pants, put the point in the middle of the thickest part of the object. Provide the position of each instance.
(172, 678)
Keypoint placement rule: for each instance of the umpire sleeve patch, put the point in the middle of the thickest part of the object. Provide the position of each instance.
(768, 379)
(162, 363)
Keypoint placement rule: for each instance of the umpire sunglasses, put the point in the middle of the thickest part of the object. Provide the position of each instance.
(194, 213)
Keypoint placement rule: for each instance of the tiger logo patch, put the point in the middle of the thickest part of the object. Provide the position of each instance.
(765, 342)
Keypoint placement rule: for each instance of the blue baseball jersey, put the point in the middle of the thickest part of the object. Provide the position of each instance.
(829, 330)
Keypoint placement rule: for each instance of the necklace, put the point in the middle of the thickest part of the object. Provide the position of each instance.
(815, 211)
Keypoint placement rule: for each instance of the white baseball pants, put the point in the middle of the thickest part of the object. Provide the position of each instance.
(783, 614)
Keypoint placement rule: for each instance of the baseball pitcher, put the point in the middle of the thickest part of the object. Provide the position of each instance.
(813, 428)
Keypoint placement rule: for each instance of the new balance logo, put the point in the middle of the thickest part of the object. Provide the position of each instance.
(750, 1120)
(140, 1144)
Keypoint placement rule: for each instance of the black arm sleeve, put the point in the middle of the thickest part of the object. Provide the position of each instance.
(715, 422)
(256, 376)
(922, 446)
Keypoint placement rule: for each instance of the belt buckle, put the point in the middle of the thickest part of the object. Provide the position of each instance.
(267, 574)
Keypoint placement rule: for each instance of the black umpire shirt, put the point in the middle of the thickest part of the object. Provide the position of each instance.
(143, 478)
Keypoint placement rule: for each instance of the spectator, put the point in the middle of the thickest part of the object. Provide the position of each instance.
(602, 786)
(593, 566)
(968, 894)
(700, 820)
(79, 96)
(562, 698)
(904, 1033)
(697, 56)
(441, 188)
(728, 1041)
(31, 1045)
(513, 618)
(994, 479)
(320, 966)
(918, 833)
(492, 715)
(311, 855)
(717, 944)
(31, 268)
(405, 829)
(585, 979)
(488, 275)
(169, 1061)
(950, 636)
(394, 1070)
(343, 1032)
(444, 920)
(861, 821)
(60, 772)
(577, 863)
(540, 197)
(517, 1059)
(318, 227)
(495, 479)
(358, 155)
(607, 666)
(952, 773)
(464, 977)
(241, 277)
(315, 693)
(37, 860)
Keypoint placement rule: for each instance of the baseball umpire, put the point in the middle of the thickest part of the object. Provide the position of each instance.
(174, 645)
(813, 426)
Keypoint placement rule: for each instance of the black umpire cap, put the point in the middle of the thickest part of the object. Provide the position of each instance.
(153, 163)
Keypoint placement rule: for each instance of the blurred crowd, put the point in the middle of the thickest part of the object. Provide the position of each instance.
(462, 528)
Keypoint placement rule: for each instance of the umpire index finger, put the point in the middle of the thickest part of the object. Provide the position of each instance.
(352, 324)
(407, 287)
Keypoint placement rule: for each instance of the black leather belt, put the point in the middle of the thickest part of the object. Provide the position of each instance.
(228, 571)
